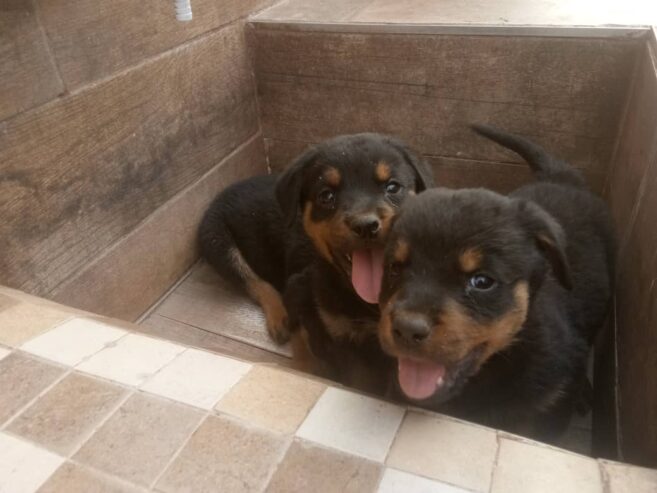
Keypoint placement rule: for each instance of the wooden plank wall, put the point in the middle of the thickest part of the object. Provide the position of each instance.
(632, 194)
(107, 112)
(565, 93)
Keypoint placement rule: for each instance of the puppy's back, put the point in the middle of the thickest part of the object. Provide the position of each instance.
(561, 190)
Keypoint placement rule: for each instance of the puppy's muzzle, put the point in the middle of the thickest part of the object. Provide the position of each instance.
(366, 226)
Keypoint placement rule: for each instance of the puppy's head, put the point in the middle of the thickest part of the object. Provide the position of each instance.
(460, 267)
(347, 191)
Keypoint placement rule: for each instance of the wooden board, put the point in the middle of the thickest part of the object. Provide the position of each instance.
(27, 73)
(176, 331)
(91, 40)
(448, 171)
(80, 173)
(132, 275)
(205, 301)
(632, 186)
(566, 94)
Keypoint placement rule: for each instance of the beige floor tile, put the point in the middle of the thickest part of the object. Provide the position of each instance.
(307, 467)
(20, 322)
(67, 413)
(22, 378)
(4, 352)
(223, 452)
(623, 478)
(522, 467)
(73, 478)
(273, 399)
(132, 360)
(394, 481)
(24, 467)
(197, 378)
(73, 341)
(353, 423)
(140, 438)
(7, 302)
(439, 448)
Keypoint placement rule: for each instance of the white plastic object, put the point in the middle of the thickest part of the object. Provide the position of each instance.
(183, 10)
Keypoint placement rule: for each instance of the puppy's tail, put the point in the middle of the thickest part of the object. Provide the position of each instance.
(544, 166)
(219, 248)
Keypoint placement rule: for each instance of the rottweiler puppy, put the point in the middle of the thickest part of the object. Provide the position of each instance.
(345, 195)
(490, 302)
(322, 222)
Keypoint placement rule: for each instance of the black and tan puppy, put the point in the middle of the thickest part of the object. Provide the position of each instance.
(333, 206)
(346, 193)
(490, 302)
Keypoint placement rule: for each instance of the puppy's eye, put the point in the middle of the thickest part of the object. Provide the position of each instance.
(393, 187)
(481, 282)
(326, 197)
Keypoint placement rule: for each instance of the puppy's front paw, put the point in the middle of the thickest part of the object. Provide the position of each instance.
(277, 324)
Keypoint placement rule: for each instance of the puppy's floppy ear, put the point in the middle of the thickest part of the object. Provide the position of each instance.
(289, 185)
(423, 174)
(550, 239)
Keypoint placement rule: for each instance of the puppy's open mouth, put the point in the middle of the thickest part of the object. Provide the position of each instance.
(422, 379)
(366, 272)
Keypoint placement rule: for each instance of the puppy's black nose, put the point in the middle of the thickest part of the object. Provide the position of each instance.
(366, 226)
(410, 329)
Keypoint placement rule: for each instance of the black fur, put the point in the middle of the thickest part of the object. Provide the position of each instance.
(246, 217)
(261, 219)
(352, 357)
(553, 234)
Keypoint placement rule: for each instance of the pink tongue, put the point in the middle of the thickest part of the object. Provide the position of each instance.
(419, 380)
(366, 273)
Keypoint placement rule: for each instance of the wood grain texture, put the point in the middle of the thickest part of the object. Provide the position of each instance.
(448, 172)
(205, 301)
(126, 280)
(636, 144)
(563, 93)
(632, 186)
(27, 73)
(92, 40)
(78, 174)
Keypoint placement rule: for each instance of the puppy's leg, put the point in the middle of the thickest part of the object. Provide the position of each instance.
(272, 304)
(303, 358)
(269, 299)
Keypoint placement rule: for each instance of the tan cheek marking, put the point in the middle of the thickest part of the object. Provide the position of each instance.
(385, 325)
(332, 177)
(326, 234)
(470, 259)
(402, 251)
(382, 171)
(457, 333)
(316, 232)
(386, 214)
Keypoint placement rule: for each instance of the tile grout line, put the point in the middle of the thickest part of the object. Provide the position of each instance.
(604, 478)
(273, 468)
(179, 450)
(498, 441)
(33, 401)
(394, 440)
(101, 423)
(68, 369)
(105, 474)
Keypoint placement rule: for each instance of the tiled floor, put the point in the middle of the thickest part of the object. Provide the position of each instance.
(122, 412)
(202, 311)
